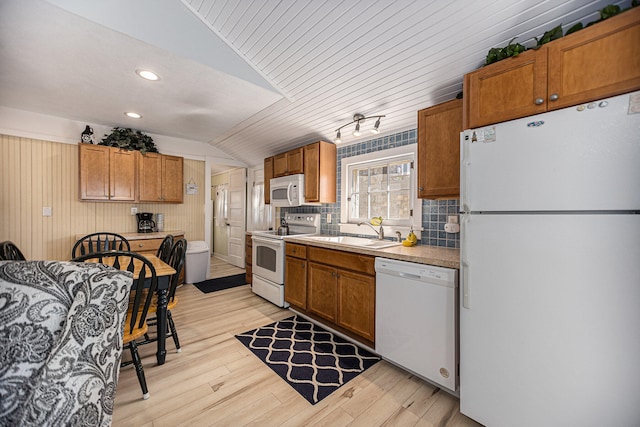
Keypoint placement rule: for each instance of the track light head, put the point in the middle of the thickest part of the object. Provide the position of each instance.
(376, 126)
(356, 132)
(338, 140)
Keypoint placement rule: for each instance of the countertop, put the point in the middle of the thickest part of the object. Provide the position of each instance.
(422, 254)
(154, 235)
(143, 236)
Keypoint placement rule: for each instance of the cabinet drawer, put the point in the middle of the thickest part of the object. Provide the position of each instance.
(350, 261)
(145, 245)
(295, 250)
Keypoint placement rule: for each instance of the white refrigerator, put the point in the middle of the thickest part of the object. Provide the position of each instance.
(550, 268)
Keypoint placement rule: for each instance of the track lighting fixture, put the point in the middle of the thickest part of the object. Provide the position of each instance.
(357, 119)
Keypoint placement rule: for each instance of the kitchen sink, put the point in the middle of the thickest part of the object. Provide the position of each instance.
(355, 241)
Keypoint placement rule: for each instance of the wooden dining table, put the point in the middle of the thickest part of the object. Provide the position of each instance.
(164, 272)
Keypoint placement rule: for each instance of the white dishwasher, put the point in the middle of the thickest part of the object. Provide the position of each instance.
(416, 319)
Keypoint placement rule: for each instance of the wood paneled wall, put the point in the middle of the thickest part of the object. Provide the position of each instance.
(36, 173)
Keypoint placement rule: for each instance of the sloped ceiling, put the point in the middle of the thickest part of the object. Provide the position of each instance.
(310, 64)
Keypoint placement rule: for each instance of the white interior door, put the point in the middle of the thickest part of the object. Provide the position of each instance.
(237, 198)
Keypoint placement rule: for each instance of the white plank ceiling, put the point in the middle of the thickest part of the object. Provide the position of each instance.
(325, 59)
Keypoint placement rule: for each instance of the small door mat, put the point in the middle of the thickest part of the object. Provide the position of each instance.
(313, 361)
(221, 283)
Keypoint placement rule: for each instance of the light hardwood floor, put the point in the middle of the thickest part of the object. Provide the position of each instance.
(216, 381)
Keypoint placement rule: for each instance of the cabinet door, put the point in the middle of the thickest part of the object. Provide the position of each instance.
(509, 89)
(439, 130)
(150, 176)
(295, 162)
(598, 62)
(312, 172)
(320, 172)
(248, 260)
(295, 282)
(268, 174)
(94, 171)
(172, 179)
(280, 165)
(123, 174)
(322, 291)
(356, 303)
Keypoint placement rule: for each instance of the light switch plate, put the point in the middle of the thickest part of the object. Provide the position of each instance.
(46, 211)
(134, 210)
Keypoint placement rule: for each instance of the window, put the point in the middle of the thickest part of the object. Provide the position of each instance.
(380, 184)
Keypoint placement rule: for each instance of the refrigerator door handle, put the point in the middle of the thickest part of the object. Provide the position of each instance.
(466, 303)
(464, 163)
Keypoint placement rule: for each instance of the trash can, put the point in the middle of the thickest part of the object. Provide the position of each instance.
(196, 262)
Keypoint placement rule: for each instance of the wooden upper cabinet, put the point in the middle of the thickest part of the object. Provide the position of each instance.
(107, 173)
(123, 176)
(150, 174)
(113, 174)
(506, 90)
(161, 178)
(320, 172)
(597, 62)
(268, 174)
(288, 163)
(172, 179)
(439, 130)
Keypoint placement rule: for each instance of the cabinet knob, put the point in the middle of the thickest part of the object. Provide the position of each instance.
(333, 274)
(553, 97)
(302, 264)
(539, 101)
(140, 245)
(421, 188)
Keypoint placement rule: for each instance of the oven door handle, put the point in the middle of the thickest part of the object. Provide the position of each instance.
(276, 243)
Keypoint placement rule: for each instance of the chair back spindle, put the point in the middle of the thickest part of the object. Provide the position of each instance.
(100, 242)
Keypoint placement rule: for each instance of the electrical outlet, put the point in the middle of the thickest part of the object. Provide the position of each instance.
(328, 218)
(134, 210)
(46, 211)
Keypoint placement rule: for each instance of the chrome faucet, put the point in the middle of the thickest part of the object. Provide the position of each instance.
(399, 236)
(379, 233)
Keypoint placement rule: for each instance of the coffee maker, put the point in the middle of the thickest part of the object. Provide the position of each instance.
(145, 223)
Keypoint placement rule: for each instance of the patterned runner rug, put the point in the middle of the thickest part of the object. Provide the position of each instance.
(313, 361)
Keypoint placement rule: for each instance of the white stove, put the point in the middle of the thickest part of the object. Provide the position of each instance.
(269, 255)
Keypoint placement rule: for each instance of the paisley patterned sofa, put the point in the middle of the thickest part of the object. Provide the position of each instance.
(61, 326)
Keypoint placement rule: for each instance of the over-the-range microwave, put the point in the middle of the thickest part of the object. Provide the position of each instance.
(287, 191)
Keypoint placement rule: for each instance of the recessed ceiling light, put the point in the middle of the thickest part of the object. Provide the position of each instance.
(148, 75)
(132, 115)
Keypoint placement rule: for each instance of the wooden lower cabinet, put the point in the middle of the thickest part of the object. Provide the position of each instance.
(248, 257)
(295, 275)
(339, 289)
(145, 246)
(323, 291)
(357, 303)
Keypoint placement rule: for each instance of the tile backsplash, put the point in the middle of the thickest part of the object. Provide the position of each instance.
(434, 212)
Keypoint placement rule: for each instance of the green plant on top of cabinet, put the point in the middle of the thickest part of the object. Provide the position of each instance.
(597, 62)
(106, 173)
(160, 178)
(439, 130)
